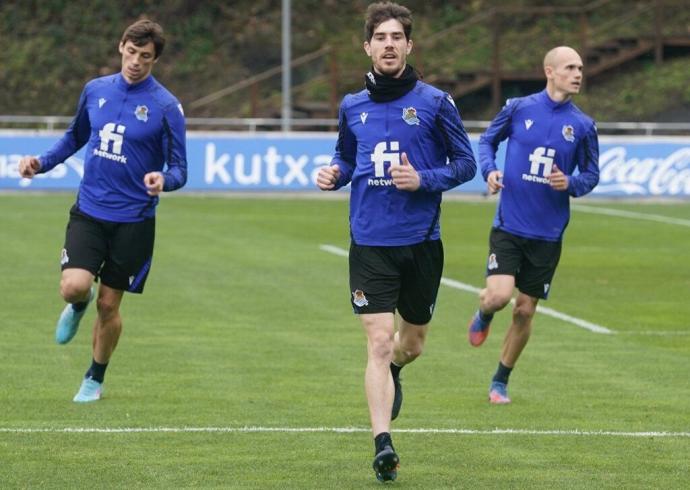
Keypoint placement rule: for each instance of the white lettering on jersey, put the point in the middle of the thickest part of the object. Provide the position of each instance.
(111, 133)
(541, 156)
(541, 160)
(381, 156)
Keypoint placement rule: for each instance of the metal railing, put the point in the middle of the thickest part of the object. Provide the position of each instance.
(56, 123)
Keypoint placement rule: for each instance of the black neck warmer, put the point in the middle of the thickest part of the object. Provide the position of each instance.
(383, 88)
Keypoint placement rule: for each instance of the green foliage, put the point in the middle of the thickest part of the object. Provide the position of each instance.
(639, 94)
(50, 49)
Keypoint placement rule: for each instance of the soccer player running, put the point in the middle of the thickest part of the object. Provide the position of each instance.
(548, 138)
(132, 127)
(401, 144)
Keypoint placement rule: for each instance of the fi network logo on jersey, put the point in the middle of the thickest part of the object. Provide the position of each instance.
(383, 154)
(541, 161)
(111, 135)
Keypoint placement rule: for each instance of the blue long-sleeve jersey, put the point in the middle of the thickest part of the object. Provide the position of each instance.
(129, 130)
(540, 133)
(426, 125)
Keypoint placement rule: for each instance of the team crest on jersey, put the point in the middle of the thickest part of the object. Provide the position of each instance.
(64, 258)
(409, 115)
(493, 263)
(359, 299)
(142, 113)
(568, 133)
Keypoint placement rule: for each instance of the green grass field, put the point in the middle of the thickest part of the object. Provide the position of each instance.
(246, 323)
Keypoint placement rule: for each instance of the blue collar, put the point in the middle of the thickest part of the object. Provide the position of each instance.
(135, 87)
(552, 104)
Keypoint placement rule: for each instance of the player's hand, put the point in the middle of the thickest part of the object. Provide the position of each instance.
(154, 183)
(493, 181)
(328, 177)
(28, 166)
(405, 177)
(558, 180)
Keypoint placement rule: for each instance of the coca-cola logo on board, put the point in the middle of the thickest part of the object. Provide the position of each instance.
(668, 176)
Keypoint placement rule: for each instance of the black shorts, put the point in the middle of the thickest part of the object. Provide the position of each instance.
(383, 279)
(533, 262)
(119, 254)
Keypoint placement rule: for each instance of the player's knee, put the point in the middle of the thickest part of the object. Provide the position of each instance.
(412, 352)
(492, 300)
(522, 315)
(106, 308)
(73, 291)
(381, 347)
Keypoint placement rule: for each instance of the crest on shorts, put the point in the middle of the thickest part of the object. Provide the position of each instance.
(64, 258)
(359, 299)
(493, 263)
(409, 115)
(568, 132)
(142, 113)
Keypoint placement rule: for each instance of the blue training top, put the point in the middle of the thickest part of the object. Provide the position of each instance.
(425, 124)
(540, 133)
(130, 130)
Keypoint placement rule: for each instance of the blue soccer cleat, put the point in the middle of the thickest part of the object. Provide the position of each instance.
(89, 391)
(68, 324)
(478, 330)
(386, 464)
(498, 393)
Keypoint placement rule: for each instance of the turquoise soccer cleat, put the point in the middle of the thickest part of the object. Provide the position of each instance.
(89, 391)
(68, 324)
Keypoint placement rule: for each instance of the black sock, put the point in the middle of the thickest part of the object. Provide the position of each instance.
(395, 370)
(485, 317)
(502, 373)
(381, 441)
(80, 306)
(96, 371)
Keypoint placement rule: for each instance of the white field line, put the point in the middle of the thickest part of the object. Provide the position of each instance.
(631, 214)
(592, 327)
(339, 430)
